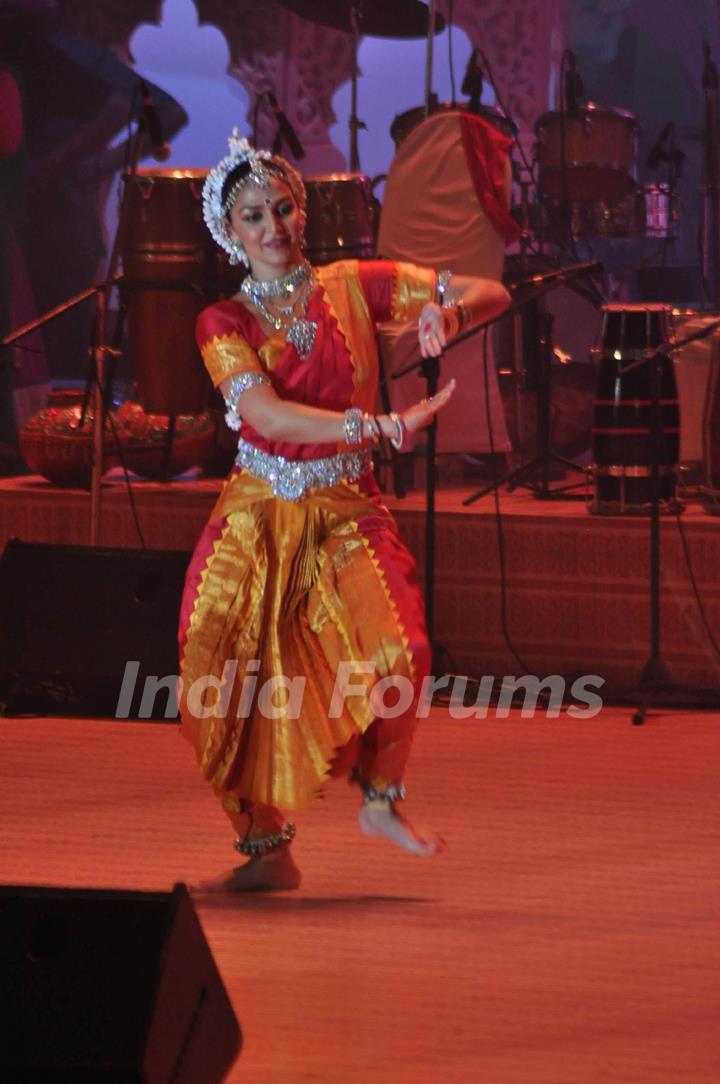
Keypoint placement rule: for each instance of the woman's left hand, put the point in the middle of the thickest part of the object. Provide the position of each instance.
(435, 326)
(432, 335)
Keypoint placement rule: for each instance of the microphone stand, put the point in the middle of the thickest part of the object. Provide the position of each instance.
(429, 368)
(526, 473)
(100, 348)
(429, 58)
(710, 234)
(354, 123)
(655, 676)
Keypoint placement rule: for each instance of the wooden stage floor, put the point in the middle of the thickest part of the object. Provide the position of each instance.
(567, 935)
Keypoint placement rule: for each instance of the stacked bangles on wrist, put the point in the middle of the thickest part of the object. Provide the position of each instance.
(459, 313)
(358, 427)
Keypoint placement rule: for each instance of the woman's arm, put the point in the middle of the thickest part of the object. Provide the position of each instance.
(278, 419)
(468, 302)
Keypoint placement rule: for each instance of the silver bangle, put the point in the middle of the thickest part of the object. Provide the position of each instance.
(443, 285)
(353, 426)
(400, 430)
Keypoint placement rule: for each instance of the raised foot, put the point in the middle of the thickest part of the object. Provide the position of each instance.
(273, 872)
(382, 819)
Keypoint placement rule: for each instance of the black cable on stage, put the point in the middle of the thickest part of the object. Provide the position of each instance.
(693, 584)
(499, 99)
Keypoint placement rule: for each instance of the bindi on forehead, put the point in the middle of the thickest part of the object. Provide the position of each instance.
(266, 201)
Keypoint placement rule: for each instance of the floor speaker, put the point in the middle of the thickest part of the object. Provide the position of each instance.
(73, 617)
(110, 986)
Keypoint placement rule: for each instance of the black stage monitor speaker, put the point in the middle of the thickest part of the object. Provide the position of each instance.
(73, 617)
(110, 986)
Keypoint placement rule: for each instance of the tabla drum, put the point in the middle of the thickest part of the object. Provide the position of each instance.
(587, 155)
(405, 123)
(172, 269)
(342, 218)
(622, 431)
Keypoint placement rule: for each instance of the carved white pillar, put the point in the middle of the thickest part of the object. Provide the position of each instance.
(301, 62)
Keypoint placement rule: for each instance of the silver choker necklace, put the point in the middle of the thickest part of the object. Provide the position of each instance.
(253, 287)
(299, 331)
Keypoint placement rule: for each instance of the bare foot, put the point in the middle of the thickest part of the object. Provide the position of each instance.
(272, 872)
(380, 818)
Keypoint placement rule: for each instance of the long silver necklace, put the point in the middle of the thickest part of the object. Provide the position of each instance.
(299, 331)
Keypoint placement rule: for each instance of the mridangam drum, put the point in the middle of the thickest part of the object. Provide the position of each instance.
(342, 218)
(587, 155)
(172, 269)
(624, 442)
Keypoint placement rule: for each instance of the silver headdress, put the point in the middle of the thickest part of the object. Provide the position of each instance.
(263, 167)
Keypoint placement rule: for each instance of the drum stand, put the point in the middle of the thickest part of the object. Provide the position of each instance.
(535, 474)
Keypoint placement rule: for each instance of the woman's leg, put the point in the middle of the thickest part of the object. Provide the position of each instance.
(384, 751)
(263, 836)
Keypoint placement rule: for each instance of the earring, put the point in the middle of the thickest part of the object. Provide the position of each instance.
(237, 253)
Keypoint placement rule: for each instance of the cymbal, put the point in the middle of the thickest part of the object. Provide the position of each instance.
(377, 18)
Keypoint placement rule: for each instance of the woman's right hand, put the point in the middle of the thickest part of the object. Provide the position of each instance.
(421, 414)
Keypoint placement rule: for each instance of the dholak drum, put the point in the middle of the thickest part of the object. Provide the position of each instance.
(172, 269)
(342, 218)
(589, 155)
(622, 429)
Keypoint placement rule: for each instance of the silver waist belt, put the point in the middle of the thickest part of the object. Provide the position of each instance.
(291, 478)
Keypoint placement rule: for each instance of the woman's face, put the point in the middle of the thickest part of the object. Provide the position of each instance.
(269, 224)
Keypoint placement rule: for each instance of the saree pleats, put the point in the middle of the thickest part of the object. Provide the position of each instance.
(280, 595)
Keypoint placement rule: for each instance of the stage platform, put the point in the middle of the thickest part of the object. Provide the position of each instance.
(567, 934)
(577, 585)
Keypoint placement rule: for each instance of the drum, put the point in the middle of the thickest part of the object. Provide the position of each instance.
(342, 218)
(589, 155)
(172, 270)
(598, 218)
(650, 210)
(622, 414)
(404, 123)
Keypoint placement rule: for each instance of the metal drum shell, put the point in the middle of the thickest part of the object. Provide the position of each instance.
(622, 412)
(588, 155)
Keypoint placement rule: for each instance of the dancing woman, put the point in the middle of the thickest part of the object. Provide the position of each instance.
(301, 603)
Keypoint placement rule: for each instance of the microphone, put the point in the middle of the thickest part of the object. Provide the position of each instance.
(159, 149)
(574, 86)
(285, 128)
(472, 84)
(658, 152)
